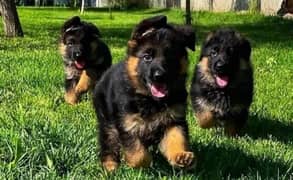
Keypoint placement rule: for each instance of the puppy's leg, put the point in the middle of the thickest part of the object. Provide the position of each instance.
(70, 95)
(205, 119)
(136, 154)
(84, 83)
(233, 128)
(230, 129)
(174, 147)
(110, 146)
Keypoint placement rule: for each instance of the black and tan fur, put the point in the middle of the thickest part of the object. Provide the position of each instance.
(85, 57)
(225, 53)
(131, 115)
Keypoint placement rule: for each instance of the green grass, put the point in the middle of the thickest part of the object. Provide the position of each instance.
(41, 137)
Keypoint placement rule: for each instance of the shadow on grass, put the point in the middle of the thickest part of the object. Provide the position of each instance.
(220, 162)
(265, 128)
(121, 33)
(265, 31)
(216, 162)
(158, 11)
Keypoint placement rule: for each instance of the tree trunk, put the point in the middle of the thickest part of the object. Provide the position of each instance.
(188, 14)
(82, 7)
(10, 18)
(110, 8)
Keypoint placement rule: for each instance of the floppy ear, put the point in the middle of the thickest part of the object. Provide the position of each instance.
(245, 49)
(188, 36)
(147, 25)
(73, 22)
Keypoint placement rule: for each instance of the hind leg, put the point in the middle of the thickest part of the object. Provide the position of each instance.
(205, 119)
(136, 154)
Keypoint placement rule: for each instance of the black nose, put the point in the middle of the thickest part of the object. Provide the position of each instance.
(77, 54)
(159, 75)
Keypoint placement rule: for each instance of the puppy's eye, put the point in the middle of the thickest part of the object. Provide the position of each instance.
(214, 53)
(69, 43)
(147, 57)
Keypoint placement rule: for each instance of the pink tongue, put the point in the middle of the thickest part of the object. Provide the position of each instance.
(79, 64)
(159, 90)
(222, 81)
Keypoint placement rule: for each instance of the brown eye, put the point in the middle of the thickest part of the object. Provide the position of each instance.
(147, 57)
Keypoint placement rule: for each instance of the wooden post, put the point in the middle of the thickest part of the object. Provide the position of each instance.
(188, 14)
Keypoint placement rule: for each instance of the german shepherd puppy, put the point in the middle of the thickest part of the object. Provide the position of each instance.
(85, 57)
(222, 86)
(142, 100)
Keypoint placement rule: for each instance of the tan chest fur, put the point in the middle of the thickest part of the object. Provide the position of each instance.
(136, 124)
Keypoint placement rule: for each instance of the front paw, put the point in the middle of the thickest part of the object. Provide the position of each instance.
(183, 159)
(71, 98)
(110, 165)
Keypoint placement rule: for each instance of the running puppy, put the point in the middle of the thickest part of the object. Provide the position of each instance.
(85, 57)
(142, 100)
(222, 86)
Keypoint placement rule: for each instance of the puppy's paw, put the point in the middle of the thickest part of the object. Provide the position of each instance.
(110, 165)
(71, 98)
(183, 159)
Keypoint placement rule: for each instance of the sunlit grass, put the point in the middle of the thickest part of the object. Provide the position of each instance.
(42, 137)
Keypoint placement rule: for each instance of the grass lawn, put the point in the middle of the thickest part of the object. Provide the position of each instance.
(41, 137)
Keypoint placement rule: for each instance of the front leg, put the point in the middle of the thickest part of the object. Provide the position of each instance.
(174, 147)
(70, 95)
(234, 126)
(84, 83)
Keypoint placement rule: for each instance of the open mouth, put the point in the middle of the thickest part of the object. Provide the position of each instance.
(79, 63)
(158, 90)
(222, 80)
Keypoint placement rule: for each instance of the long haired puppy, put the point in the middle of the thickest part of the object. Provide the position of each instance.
(85, 57)
(222, 86)
(142, 100)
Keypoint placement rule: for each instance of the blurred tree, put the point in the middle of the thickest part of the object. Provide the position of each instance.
(12, 26)
(82, 7)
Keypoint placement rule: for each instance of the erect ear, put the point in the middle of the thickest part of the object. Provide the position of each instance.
(69, 24)
(245, 48)
(92, 30)
(188, 36)
(209, 37)
(148, 25)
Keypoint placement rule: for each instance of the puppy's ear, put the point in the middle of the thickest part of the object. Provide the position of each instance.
(91, 29)
(188, 35)
(245, 49)
(143, 28)
(209, 37)
(73, 22)
(147, 25)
